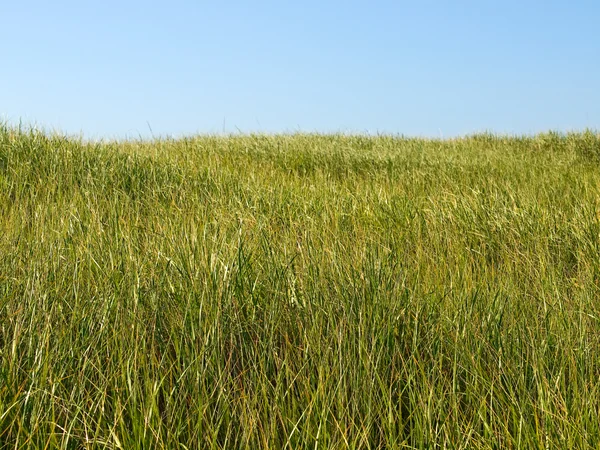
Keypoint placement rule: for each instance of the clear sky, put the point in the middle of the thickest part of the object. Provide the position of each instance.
(425, 68)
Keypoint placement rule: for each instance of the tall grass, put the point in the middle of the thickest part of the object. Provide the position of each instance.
(300, 291)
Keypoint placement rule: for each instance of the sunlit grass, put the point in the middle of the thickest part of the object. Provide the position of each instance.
(300, 291)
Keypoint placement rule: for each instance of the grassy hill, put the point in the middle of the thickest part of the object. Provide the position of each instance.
(321, 291)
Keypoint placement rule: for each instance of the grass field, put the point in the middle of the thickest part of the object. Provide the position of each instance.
(302, 291)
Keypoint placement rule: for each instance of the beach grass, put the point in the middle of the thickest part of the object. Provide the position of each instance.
(300, 291)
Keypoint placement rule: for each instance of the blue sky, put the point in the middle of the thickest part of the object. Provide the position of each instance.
(423, 68)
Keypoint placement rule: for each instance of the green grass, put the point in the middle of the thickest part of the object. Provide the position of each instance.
(302, 291)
